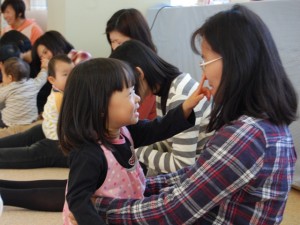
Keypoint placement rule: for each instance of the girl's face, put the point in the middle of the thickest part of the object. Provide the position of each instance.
(117, 38)
(43, 52)
(62, 71)
(122, 108)
(10, 15)
(212, 71)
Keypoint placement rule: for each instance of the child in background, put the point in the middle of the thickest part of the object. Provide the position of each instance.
(7, 51)
(99, 102)
(19, 93)
(38, 146)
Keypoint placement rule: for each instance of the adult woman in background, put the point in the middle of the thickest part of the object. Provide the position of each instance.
(245, 170)
(48, 45)
(126, 24)
(14, 14)
(171, 87)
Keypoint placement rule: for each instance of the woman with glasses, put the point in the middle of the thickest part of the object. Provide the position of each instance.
(245, 170)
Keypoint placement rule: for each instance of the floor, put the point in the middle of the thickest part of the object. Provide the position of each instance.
(291, 214)
(19, 216)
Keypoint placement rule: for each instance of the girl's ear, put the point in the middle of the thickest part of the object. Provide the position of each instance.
(51, 79)
(140, 72)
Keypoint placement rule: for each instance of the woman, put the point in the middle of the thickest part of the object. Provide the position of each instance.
(48, 45)
(245, 170)
(126, 24)
(14, 14)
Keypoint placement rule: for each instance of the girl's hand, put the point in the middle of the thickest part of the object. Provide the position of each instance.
(195, 98)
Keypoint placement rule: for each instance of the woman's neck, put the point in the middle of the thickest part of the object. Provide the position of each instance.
(18, 23)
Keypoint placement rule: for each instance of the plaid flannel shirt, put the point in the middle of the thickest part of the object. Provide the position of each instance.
(243, 176)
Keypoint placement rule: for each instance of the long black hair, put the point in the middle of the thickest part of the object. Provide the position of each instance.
(53, 41)
(254, 81)
(131, 23)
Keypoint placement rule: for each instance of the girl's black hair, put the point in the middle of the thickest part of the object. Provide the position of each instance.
(84, 111)
(158, 73)
(254, 81)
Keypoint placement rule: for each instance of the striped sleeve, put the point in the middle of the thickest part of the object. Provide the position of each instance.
(180, 150)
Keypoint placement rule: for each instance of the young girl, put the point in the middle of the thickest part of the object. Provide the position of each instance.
(38, 146)
(98, 103)
(171, 87)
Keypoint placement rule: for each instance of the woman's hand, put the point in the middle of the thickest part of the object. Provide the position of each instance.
(71, 216)
(72, 219)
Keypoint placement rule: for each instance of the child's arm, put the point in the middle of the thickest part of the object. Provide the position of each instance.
(88, 168)
(41, 78)
(58, 100)
(195, 98)
(3, 94)
(175, 121)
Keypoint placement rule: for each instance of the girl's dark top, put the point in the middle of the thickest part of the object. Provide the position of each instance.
(88, 165)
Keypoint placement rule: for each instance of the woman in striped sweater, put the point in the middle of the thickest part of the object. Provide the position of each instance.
(171, 87)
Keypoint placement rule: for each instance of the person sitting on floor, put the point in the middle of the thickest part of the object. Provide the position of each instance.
(18, 92)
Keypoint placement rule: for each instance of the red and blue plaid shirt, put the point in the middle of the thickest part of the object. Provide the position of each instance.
(243, 176)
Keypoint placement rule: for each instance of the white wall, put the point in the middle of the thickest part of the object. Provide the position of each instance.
(83, 22)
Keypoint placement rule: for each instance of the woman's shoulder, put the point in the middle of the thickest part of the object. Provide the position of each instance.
(249, 125)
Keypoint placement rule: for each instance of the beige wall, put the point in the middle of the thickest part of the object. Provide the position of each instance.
(83, 22)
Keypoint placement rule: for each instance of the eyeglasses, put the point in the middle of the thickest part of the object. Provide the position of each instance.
(203, 64)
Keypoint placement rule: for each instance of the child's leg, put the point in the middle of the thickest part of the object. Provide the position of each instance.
(44, 153)
(32, 184)
(23, 139)
(41, 199)
(8, 131)
(41, 195)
